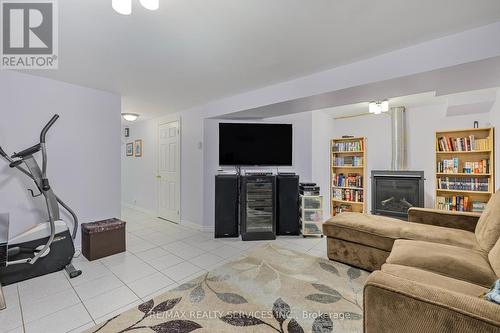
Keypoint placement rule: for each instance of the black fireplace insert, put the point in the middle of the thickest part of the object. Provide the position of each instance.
(394, 192)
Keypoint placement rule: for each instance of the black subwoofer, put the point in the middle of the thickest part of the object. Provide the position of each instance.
(288, 205)
(226, 206)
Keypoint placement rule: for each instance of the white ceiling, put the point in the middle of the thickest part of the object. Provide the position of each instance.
(417, 89)
(193, 51)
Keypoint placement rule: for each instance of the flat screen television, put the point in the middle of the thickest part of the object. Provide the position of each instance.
(255, 144)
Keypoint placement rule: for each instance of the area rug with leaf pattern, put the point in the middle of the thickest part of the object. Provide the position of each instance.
(271, 289)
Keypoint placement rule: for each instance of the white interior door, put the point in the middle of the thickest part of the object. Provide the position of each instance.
(169, 171)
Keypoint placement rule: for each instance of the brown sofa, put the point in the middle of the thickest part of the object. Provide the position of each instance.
(429, 272)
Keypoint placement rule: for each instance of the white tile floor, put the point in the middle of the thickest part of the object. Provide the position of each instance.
(160, 256)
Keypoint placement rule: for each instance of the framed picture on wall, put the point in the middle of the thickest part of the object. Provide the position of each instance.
(138, 148)
(130, 149)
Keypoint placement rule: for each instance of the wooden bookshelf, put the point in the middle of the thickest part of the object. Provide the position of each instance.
(348, 150)
(463, 178)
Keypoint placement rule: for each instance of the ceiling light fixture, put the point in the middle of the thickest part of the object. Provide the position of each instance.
(377, 107)
(150, 4)
(124, 7)
(130, 116)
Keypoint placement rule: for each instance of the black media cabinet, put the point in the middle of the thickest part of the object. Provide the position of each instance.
(258, 208)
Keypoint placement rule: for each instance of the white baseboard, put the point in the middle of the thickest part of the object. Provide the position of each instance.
(192, 225)
(139, 209)
(196, 226)
(206, 228)
(186, 223)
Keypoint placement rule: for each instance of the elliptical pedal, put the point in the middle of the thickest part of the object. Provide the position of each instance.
(72, 271)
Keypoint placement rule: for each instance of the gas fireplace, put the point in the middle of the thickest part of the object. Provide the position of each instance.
(394, 192)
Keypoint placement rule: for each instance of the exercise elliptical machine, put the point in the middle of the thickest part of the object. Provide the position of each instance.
(49, 246)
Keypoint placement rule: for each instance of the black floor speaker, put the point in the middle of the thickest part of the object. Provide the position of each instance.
(226, 206)
(288, 205)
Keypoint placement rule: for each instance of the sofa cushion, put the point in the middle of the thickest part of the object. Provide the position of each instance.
(380, 232)
(494, 258)
(452, 261)
(434, 279)
(488, 226)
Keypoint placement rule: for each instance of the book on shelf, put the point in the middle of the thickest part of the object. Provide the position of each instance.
(463, 184)
(460, 204)
(351, 180)
(457, 203)
(343, 208)
(341, 161)
(482, 166)
(469, 143)
(347, 195)
(469, 167)
(348, 146)
(478, 206)
(448, 166)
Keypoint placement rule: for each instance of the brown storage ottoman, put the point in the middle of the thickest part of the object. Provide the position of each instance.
(103, 238)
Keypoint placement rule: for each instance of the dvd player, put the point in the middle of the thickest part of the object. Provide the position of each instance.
(259, 173)
(309, 193)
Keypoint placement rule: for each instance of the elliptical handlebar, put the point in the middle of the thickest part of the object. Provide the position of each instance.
(47, 127)
(3, 153)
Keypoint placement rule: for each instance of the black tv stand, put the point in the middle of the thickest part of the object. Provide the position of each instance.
(257, 206)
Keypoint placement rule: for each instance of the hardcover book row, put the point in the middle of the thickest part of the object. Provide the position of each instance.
(469, 143)
(348, 146)
(470, 167)
(463, 184)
